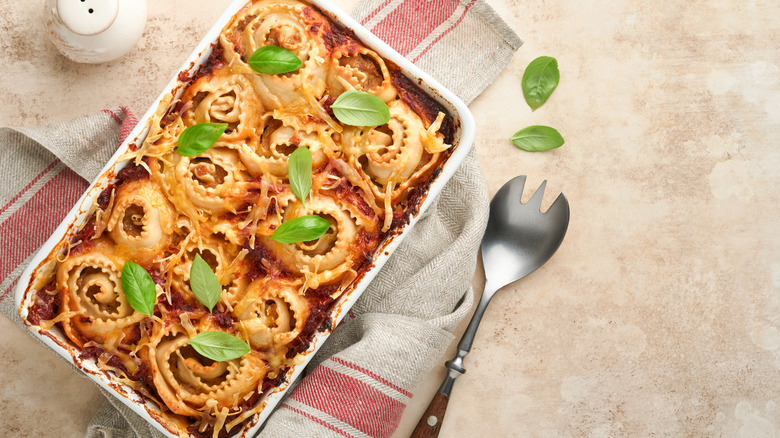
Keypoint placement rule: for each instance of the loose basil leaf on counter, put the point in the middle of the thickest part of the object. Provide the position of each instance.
(299, 172)
(537, 138)
(301, 229)
(274, 60)
(219, 346)
(196, 139)
(358, 108)
(204, 283)
(539, 80)
(139, 288)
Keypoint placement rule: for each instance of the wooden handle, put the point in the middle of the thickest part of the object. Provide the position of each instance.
(430, 423)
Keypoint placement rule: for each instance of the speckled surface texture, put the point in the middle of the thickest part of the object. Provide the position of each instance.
(659, 315)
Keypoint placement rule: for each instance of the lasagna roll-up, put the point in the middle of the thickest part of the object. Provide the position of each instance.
(93, 298)
(192, 385)
(293, 26)
(393, 157)
(223, 97)
(277, 142)
(332, 257)
(271, 314)
(357, 67)
(221, 256)
(141, 221)
(213, 182)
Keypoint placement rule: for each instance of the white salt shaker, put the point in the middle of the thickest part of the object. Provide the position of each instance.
(93, 31)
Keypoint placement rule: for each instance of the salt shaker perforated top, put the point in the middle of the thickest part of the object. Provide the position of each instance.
(94, 31)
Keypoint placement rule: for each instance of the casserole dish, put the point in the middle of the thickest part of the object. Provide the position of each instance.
(81, 337)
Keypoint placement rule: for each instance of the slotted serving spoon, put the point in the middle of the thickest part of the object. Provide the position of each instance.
(519, 239)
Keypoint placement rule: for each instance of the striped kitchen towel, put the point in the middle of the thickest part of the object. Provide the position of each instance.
(45, 170)
(463, 44)
(363, 377)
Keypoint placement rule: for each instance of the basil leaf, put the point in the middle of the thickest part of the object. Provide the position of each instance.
(301, 229)
(219, 346)
(196, 139)
(139, 288)
(299, 172)
(539, 81)
(274, 60)
(537, 138)
(204, 283)
(358, 108)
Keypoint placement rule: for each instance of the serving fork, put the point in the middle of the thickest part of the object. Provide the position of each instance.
(519, 238)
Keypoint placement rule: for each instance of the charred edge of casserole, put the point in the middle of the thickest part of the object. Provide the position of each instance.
(320, 301)
(333, 33)
(194, 429)
(82, 239)
(420, 102)
(188, 77)
(142, 376)
(343, 38)
(213, 62)
(414, 202)
(46, 305)
(83, 236)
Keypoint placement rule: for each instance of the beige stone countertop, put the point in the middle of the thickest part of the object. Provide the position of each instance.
(660, 313)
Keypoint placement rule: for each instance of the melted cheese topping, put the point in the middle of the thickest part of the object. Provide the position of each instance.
(225, 203)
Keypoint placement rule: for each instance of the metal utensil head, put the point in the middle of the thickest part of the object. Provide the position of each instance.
(520, 238)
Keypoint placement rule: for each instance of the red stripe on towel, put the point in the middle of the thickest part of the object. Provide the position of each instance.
(374, 12)
(27, 187)
(127, 124)
(10, 288)
(113, 116)
(411, 22)
(465, 10)
(371, 374)
(33, 223)
(351, 401)
(319, 421)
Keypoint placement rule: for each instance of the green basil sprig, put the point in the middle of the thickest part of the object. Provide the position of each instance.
(139, 288)
(204, 283)
(274, 60)
(299, 172)
(301, 229)
(196, 139)
(537, 138)
(540, 79)
(219, 346)
(358, 108)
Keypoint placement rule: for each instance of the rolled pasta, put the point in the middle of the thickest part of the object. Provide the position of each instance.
(225, 97)
(94, 301)
(281, 23)
(271, 314)
(193, 385)
(141, 222)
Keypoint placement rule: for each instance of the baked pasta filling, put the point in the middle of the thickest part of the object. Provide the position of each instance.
(164, 210)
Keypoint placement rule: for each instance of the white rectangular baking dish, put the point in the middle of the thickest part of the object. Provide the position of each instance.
(36, 272)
